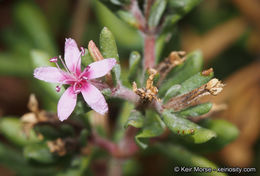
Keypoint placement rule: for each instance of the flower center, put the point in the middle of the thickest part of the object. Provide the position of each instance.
(77, 87)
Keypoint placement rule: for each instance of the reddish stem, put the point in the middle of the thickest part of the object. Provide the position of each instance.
(149, 51)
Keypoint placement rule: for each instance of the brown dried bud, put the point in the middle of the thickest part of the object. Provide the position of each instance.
(150, 91)
(213, 87)
(207, 72)
(57, 146)
(174, 59)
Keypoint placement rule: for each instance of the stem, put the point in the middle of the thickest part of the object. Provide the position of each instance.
(149, 51)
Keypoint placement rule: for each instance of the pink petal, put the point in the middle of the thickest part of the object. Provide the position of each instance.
(72, 56)
(49, 74)
(100, 68)
(94, 98)
(67, 103)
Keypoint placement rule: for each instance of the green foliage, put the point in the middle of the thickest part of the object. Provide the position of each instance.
(186, 128)
(134, 66)
(38, 152)
(109, 50)
(11, 128)
(192, 65)
(195, 111)
(86, 59)
(156, 12)
(135, 119)
(152, 126)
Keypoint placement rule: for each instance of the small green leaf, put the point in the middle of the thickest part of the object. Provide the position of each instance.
(194, 82)
(176, 10)
(47, 131)
(128, 18)
(192, 65)
(86, 59)
(134, 65)
(12, 129)
(184, 127)
(197, 110)
(116, 73)
(152, 126)
(135, 119)
(226, 133)
(107, 43)
(39, 152)
(83, 137)
(14, 160)
(171, 92)
(156, 12)
(108, 49)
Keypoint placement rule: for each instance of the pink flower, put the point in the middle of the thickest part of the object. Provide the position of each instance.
(78, 81)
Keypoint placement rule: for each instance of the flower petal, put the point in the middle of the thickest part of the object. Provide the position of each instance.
(49, 74)
(72, 56)
(67, 103)
(100, 68)
(94, 98)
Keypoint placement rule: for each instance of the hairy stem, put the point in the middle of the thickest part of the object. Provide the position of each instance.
(149, 51)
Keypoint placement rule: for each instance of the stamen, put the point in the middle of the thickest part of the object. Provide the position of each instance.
(54, 59)
(57, 88)
(82, 51)
(84, 71)
(64, 65)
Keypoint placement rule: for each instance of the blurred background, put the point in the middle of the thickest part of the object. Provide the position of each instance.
(227, 32)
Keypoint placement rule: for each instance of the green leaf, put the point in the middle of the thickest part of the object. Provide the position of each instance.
(86, 59)
(192, 65)
(135, 119)
(128, 18)
(47, 131)
(108, 49)
(34, 24)
(153, 126)
(119, 28)
(184, 127)
(197, 110)
(156, 12)
(11, 128)
(14, 160)
(83, 137)
(107, 43)
(171, 92)
(176, 10)
(194, 82)
(183, 157)
(226, 133)
(39, 152)
(183, 6)
(134, 65)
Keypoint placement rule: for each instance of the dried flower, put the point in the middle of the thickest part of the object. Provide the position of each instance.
(150, 91)
(213, 87)
(79, 81)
